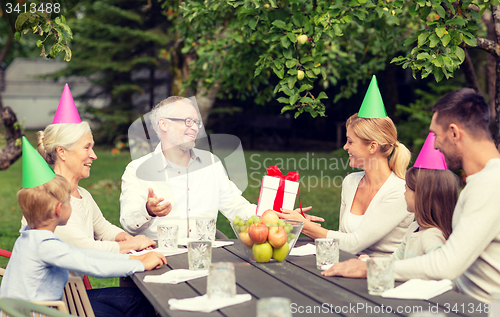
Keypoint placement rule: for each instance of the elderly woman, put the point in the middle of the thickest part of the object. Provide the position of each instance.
(373, 215)
(68, 148)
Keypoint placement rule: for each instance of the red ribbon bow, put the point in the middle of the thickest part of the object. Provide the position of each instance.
(274, 171)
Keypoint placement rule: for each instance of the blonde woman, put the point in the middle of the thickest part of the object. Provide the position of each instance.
(68, 149)
(373, 215)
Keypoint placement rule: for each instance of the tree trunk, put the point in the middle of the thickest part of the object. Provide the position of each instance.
(470, 73)
(205, 100)
(490, 63)
(13, 132)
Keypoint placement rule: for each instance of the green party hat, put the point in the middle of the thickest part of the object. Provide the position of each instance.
(36, 171)
(373, 105)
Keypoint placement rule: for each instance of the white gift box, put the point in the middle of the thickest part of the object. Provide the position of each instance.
(268, 192)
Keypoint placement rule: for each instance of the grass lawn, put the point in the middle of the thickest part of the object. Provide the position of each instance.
(321, 175)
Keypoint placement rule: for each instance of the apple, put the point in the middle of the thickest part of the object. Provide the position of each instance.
(300, 74)
(279, 254)
(245, 239)
(258, 232)
(266, 5)
(277, 237)
(302, 39)
(269, 217)
(262, 252)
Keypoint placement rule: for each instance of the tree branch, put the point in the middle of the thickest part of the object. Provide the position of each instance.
(470, 73)
(488, 46)
(495, 12)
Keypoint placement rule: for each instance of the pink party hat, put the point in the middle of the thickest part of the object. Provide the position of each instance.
(429, 157)
(66, 111)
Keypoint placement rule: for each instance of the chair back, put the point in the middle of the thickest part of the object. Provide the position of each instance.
(76, 298)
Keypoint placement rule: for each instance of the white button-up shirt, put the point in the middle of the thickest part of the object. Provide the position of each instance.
(198, 190)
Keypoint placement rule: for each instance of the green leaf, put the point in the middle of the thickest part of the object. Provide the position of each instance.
(434, 40)
(293, 99)
(456, 21)
(316, 70)
(285, 42)
(292, 37)
(470, 41)
(440, 32)
(288, 91)
(305, 87)
(460, 54)
(283, 100)
(423, 56)
(278, 63)
(17, 36)
(286, 108)
(253, 23)
(446, 39)
(291, 81)
(258, 70)
(438, 74)
(322, 95)
(20, 20)
(291, 62)
(279, 24)
(422, 38)
(310, 74)
(306, 100)
(296, 115)
(305, 59)
(288, 53)
(440, 11)
(279, 72)
(413, 10)
(39, 43)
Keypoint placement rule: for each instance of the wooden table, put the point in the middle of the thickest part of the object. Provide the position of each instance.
(298, 279)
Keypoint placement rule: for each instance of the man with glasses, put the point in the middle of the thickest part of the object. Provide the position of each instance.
(177, 183)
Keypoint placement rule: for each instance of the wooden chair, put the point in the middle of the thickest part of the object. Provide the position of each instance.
(75, 297)
(20, 308)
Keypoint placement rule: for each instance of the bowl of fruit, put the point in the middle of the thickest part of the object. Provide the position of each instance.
(268, 238)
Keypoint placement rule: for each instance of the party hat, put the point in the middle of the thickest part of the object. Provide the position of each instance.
(35, 170)
(373, 105)
(429, 157)
(66, 111)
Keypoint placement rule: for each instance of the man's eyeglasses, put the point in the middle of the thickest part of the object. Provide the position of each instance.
(189, 122)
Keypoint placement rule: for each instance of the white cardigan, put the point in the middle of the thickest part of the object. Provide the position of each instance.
(385, 221)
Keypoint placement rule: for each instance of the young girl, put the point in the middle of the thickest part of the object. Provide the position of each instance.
(431, 195)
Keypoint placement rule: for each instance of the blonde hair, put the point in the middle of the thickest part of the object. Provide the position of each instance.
(65, 135)
(38, 203)
(383, 131)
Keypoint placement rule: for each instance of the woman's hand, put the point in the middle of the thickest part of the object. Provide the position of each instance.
(311, 228)
(353, 268)
(295, 215)
(136, 243)
(123, 236)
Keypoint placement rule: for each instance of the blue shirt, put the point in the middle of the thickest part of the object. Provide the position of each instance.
(38, 267)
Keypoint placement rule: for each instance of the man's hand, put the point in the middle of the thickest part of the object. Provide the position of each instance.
(353, 268)
(154, 207)
(150, 260)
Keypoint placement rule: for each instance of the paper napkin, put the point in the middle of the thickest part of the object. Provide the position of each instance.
(205, 305)
(419, 289)
(175, 276)
(307, 249)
